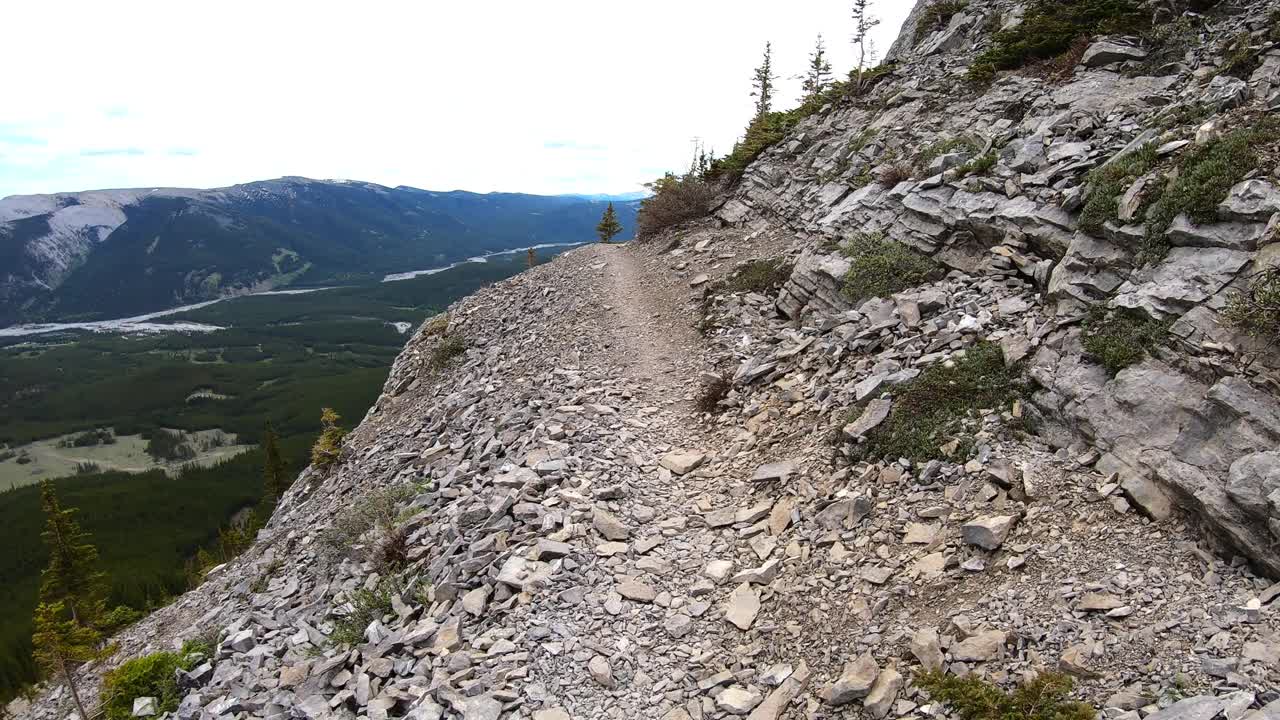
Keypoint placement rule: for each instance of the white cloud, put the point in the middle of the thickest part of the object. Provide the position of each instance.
(553, 96)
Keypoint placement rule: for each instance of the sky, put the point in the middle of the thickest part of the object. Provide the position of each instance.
(550, 97)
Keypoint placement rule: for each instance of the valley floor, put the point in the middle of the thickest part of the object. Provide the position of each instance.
(584, 543)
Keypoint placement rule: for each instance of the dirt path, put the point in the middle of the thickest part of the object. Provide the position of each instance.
(654, 342)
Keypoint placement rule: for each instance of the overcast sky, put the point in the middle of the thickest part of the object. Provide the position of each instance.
(555, 96)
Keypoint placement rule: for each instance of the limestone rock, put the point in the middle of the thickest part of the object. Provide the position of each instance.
(988, 533)
(855, 681)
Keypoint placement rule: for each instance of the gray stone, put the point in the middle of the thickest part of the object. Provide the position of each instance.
(737, 700)
(874, 414)
(681, 463)
(988, 533)
(742, 607)
(1105, 52)
(145, 707)
(855, 681)
(879, 702)
(981, 647)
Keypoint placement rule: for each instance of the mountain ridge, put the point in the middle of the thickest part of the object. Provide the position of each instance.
(85, 255)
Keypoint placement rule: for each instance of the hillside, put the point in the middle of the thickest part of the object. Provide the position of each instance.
(109, 253)
(970, 370)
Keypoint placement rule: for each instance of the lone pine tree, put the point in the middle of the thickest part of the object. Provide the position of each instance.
(818, 75)
(609, 226)
(274, 479)
(60, 644)
(72, 576)
(762, 83)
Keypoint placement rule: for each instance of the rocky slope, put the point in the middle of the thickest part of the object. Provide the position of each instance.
(109, 253)
(568, 531)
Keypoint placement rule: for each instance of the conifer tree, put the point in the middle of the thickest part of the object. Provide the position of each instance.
(762, 83)
(60, 644)
(863, 22)
(72, 577)
(609, 225)
(818, 75)
(274, 479)
(531, 257)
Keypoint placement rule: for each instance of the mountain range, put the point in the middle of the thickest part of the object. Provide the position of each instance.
(106, 253)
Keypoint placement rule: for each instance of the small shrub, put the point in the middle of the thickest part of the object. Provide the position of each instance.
(980, 165)
(760, 276)
(24, 459)
(713, 391)
(1061, 67)
(1256, 311)
(1108, 183)
(932, 407)
(201, 645)
(972, 698)
(935, 17)
(1121, 337)
(87, 468)
(377, 512)
(1049, 28)
(366, 606)
(1205, 177)
(118, 618)
(327, 450)
(890, 174)
(882, 267)
(147, 676)
(7, 455)
(674, 200)
(447, 349)
(436, 326)
(1241, 59)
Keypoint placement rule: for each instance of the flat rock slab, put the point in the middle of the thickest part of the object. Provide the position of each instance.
(874, 414)
(775, 471)
(682, 462)
(742, 607)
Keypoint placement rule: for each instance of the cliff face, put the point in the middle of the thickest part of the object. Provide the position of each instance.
(634, 482)
(1199, 418)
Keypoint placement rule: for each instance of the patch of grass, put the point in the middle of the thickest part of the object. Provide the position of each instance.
(972, 698)
(890, 174)
(980, 165)
(932, 409)
(1205, 177)
(1049, 28)
(447, 349)
(366, 606)
(378, 513)
(960, 143)
(881, 267)
(147, 676)
(1121, 337)
(436, 326)
(1256, 310)
(1108, 183)
(760, 276)
(936, 17)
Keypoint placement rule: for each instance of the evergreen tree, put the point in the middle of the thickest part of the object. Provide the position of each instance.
(274, 478)
(818, 75)
(72, 578)
(762, 83)
(531, 257)
(60, 644)
(609, 225)
(863, 22)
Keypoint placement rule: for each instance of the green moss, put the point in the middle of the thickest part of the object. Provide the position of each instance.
(1205, 177)
(1121, 337)
(1107, 183)
(1049, 28)
(931, 409)
(759, 276)
(147, 676)
(936, 16)
(1256, 311)
(972, 698)
(449, 347)
(882, 267)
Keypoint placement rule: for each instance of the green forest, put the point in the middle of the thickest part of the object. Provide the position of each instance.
(280, 359)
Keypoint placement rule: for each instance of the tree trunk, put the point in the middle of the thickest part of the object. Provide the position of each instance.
(71, 685)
